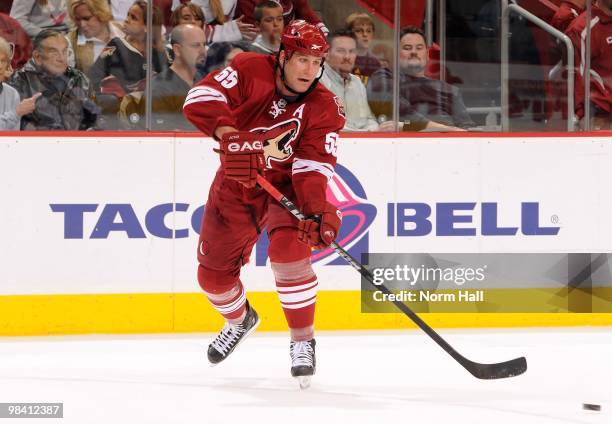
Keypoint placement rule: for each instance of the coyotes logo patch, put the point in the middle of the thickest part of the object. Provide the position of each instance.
(278, 140)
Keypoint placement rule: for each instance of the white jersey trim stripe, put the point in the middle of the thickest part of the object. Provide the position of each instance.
(204, 94)
(594, 22)
(598, 79)
(203, 99)
(195, 91)
(305, 165)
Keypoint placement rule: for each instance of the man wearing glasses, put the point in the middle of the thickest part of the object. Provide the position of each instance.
(66, 102)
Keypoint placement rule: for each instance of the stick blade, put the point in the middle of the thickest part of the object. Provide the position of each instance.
(506, 369)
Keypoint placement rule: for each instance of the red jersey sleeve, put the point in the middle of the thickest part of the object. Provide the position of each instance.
(564, 16)
(210, 102)
(316, 154)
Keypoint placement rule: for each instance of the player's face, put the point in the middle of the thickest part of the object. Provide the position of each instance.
(301, 70)
(365, 34)
(272, 24)
(413, 54)
(134, 24)
(89, 25)
(342, 54)
(192, 50)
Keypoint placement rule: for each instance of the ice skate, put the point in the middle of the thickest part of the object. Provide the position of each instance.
(232, 335)
(303, 361)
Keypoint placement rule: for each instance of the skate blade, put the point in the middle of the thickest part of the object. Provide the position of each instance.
(304, 381)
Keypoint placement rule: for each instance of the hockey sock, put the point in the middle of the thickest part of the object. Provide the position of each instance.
(231, 304)
(225, 293)
(296, 284)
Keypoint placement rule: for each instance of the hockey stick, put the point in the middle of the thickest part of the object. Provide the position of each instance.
(506, 369)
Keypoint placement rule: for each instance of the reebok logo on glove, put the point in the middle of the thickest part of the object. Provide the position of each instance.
(329, 236)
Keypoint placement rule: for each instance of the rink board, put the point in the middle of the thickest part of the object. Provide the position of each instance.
(87, 224)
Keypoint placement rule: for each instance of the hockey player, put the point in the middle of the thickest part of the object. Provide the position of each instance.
(272, 117)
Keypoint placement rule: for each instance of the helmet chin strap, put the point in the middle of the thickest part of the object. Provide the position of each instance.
(298, 95)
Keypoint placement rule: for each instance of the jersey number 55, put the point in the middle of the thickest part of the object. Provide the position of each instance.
(331, 144)
(227, 77)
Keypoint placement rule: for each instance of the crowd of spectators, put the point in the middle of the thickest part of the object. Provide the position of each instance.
(82, 64)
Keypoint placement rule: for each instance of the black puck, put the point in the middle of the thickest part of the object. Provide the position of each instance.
(591, 407)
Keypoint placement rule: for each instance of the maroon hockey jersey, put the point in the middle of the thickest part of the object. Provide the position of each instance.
(601, 59)
(244, 96)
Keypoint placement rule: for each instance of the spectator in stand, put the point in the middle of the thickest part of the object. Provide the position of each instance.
(11, 31)
(187, 13)
(220, 14)
(66, 102)
(94, 30)
(36, 15)
(12, 108)
(191, 13)
(234, 50)
(120, 8)
(292, 9)
(347, 87)
(269, 20)
(165, 8)
(172, 85)
(121, 66)
(601, 64)
(567, 12)
(362, 25)
(425, 104)
(220, 55)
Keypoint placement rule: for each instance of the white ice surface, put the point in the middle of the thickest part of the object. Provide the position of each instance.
(373, 377)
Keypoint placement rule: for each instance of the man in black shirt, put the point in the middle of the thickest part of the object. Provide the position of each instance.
(170, 87)
(425, 103)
